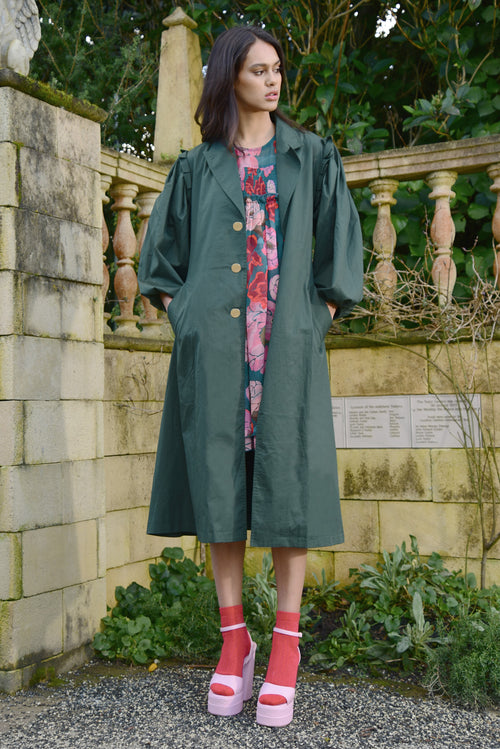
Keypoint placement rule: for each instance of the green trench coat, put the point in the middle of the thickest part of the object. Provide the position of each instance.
(195, 250)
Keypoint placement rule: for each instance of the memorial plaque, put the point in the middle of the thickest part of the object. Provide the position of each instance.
(398, 421)
(445, 421)
(377, 421)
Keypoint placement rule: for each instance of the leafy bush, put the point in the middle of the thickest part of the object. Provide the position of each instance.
(176, 617)
(394, 612)
(466, 666)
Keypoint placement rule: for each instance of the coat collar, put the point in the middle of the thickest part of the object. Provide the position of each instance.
(288, 164)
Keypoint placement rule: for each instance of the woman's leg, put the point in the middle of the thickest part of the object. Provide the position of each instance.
(290, 568)
(227, 565)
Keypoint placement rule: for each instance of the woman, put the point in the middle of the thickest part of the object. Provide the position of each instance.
(253, 247)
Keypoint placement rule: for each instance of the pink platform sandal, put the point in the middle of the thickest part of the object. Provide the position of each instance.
(282, 714)
(220, 704)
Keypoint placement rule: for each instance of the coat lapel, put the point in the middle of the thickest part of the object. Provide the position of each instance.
(288, 165)
(224, 168)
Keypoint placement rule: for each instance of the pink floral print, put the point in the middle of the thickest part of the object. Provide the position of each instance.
(256, 167)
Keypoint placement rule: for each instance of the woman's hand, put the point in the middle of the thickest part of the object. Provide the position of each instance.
(165, 299)
(332, 308)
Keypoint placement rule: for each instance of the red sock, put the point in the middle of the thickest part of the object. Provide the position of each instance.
(235, 648)
(285, 657)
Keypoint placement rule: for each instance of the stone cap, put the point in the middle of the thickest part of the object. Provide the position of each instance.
(46, 93)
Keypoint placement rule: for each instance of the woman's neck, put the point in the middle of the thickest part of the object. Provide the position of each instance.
(254, 130)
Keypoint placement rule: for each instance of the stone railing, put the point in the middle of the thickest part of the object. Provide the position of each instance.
(133, 185)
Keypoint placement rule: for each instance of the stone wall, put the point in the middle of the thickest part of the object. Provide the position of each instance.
(52, 500)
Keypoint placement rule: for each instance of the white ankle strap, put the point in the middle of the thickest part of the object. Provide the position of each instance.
(287, 632)
(233, 626)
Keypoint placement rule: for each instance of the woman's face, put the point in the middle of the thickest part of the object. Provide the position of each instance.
(258, 84)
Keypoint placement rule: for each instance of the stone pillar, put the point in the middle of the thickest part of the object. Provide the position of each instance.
(180, 85)
(384, 239)
(444, 271)
(52, 503)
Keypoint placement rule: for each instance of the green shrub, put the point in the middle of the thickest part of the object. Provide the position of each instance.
(394, 611)
(466, 667)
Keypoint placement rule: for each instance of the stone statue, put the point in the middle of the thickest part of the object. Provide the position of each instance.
(19, 34)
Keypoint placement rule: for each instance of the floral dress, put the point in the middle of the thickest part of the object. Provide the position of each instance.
(257, 170)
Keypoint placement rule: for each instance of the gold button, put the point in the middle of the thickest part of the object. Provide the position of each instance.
(235, 312)
(236, 267)
(237, 226)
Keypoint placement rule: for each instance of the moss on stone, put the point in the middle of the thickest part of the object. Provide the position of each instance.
(46, 93)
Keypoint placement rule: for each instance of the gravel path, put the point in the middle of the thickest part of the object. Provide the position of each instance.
(167, 709)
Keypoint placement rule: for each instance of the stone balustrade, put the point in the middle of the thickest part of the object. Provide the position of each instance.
(133, 185)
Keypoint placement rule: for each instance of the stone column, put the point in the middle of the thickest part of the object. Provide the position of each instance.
(444, 271)
(52, 569)
(180, 85)
(384, 239)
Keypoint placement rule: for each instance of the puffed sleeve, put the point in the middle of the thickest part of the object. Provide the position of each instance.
(338, 253)
(164, 257)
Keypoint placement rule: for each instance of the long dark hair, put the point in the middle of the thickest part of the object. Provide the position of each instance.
(217, 112)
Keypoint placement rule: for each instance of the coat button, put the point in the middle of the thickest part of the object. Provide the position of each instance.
(237, 226)
(235, 312)
(236, 267)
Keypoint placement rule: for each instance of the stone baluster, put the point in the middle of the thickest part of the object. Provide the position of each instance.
(494, 174)
(105, 184)
(444, 272)
(384, 238)
(125, 245)
(149, 322)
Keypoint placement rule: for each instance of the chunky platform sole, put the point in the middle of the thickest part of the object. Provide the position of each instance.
(242, 686)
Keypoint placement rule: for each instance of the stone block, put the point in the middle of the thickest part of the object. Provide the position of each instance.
(59, 556)
(348, 560)
(128, 480)
(61, 430)
(466, 366)
(490, 412)
(437, 526)
(11, 584)
(317, 563)
(47, 246)
(78, 139)
(23, 638)
(55, 309)
(135, 375)
(9, 175)
(11, 320)
(59, 188)
(142, 546)
(385, 474)
(11, 681)
(451, 481)
(8, 238)
(36, 496)
(117, 539)
(28, 121)
(101, 547)
(361, 531)
(34, 368)
(378, 371)
(131, 428)
(129, 573)
(83, 608)
(12, 442)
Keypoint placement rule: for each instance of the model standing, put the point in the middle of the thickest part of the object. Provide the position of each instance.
(253, 247)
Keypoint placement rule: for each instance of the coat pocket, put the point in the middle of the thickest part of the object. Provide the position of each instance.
(176, 309)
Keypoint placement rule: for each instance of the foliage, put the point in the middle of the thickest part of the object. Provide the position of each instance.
(392, 611)
(432, 75)
(176, 617)
(466, 666)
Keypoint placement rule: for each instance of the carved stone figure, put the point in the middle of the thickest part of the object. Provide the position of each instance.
(19, 34)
